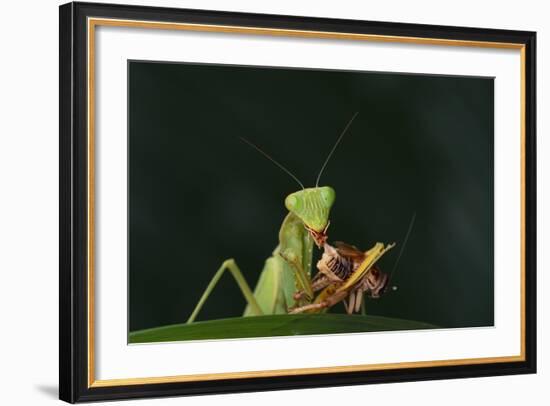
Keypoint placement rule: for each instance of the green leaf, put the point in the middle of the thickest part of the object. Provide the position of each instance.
(272, 326)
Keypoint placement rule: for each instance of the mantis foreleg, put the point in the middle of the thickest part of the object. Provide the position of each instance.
(302, 278)
(296, 248)
(232, 267)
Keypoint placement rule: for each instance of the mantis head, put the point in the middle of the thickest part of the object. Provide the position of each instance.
(312, 206)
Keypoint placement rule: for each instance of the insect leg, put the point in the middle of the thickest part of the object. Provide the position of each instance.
(232, 267)
(305, 308)
(328, 302)
(359, 296)
(351, 304)
(319, 282)
(345, 303)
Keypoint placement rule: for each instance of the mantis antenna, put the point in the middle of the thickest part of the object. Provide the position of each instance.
(333, 148)
(411, 224)
(273, 160)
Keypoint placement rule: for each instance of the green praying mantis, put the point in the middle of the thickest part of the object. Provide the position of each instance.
(285, 284)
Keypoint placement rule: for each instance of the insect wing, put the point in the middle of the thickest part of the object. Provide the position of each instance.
(371, 257)
(350, 251)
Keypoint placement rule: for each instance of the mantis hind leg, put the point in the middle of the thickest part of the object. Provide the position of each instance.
(231, 266)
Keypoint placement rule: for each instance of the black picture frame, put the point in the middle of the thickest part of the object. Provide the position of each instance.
(74, 384)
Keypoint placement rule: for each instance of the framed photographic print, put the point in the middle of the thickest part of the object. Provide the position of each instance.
(254, 202)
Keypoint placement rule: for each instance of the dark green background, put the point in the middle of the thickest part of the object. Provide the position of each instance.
(198, 195)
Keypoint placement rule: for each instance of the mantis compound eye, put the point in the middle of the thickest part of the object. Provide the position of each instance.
(328, 195)
(291, 202)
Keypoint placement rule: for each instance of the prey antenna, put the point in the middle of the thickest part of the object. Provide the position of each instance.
(411, 224)
(333, 148)
(273, 160)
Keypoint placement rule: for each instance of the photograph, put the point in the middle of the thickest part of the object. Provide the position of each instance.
(273, 201)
